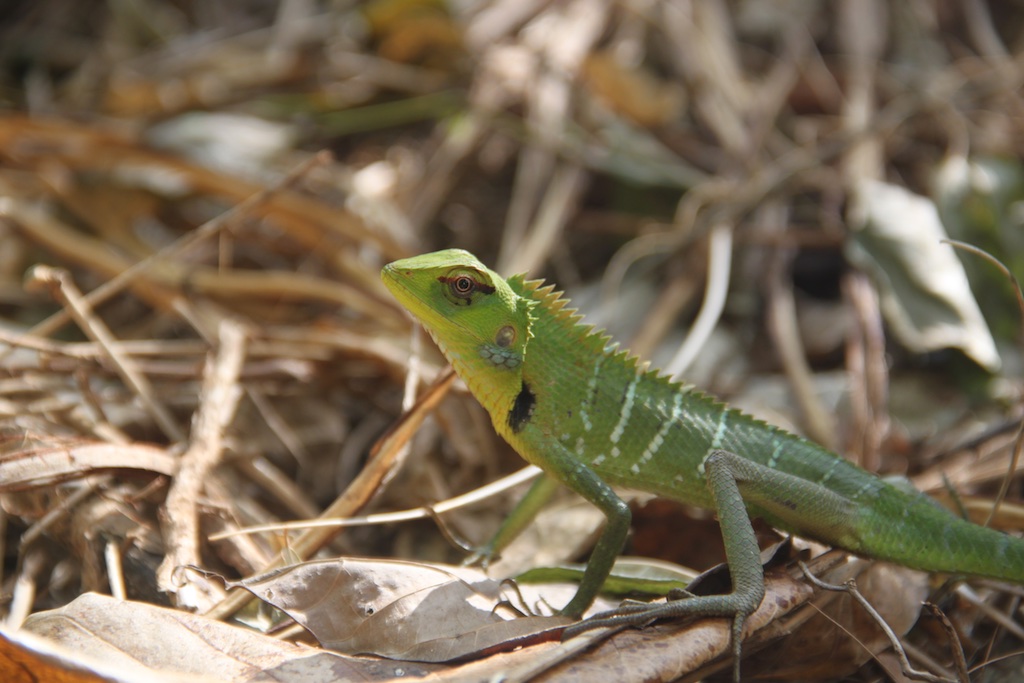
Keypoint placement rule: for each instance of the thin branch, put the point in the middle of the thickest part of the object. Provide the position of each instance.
(719, 263)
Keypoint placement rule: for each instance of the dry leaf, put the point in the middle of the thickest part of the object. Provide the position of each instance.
(391, 608)
(925, 295)
(50, 464)
(633, 93)
(839, 636)
(668, 651)
(123, 640)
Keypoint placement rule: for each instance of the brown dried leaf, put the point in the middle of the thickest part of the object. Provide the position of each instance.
(668, 651)
(396, 609)
(123, 640)
(25, 658)
(633, 93)
(413, 31)
(840, 636)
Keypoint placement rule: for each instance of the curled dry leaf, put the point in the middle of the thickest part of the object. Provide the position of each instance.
(924, 291)
(54, 463)
(125, 640)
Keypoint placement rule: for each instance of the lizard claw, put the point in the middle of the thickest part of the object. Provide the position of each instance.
(630, 613)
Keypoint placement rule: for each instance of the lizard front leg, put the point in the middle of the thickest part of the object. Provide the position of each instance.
(525, 510)
(560, 465)
(585, 482)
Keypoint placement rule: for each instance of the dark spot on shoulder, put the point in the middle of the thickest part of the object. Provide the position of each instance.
(522, 409)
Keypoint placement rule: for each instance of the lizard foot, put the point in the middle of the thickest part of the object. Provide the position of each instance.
(641, 614)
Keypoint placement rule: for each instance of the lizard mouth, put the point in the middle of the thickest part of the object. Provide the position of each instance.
(397, 283)
(397, 280)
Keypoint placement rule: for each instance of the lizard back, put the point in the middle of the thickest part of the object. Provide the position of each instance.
(638, 429)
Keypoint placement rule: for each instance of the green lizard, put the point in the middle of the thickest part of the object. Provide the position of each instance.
(592, 417)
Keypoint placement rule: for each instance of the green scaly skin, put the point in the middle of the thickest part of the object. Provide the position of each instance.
(592, 417)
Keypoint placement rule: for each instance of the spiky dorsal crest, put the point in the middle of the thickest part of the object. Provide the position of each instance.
(552, 304)
(569, 321)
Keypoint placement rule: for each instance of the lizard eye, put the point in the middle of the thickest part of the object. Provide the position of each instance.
(462, 286)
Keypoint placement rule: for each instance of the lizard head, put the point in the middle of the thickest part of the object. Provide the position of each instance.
(481, 325)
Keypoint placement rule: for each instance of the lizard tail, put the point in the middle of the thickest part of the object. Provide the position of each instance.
(911, 529)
